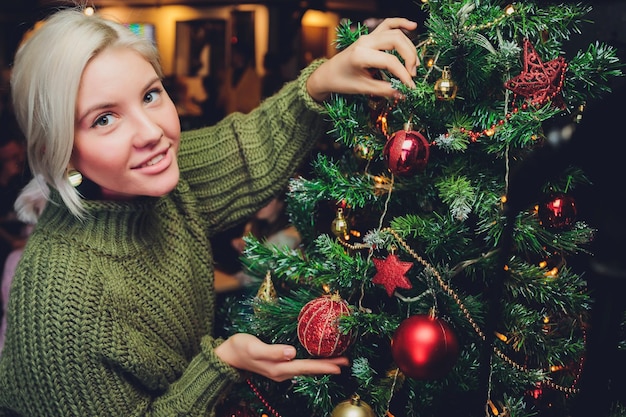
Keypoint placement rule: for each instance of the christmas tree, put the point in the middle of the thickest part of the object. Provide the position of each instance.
(421, 259)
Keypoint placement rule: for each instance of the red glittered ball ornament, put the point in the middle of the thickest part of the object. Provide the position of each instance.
(424, 347)
(406, 151)
(557, 212)
(318, 326)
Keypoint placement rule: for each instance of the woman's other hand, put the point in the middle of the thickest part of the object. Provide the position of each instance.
(276, 362)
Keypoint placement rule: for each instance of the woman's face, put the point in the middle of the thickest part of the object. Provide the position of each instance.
(127, 130)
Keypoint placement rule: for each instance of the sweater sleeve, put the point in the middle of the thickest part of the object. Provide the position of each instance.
(204, 382)
(238, 165)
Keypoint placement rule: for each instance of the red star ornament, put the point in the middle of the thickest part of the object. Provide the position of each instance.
(390, 273)
(539, 82)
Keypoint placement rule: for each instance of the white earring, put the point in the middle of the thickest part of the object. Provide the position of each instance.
(75, 177)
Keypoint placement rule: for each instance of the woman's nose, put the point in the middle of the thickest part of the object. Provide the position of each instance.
(147, 129)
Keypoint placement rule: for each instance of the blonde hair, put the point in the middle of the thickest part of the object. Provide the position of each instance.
(44, 81)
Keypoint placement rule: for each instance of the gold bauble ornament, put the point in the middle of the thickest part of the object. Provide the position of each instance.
(445, 87)
(364, 152)
(339, 226)
(353, 407)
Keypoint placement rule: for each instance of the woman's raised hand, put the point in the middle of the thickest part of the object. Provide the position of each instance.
(350, 71)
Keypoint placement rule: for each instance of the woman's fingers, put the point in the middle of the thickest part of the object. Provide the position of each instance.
(349, 71)
(396, 23)
(389, 35)
(249, 353)
(287, 370)
(386, 61)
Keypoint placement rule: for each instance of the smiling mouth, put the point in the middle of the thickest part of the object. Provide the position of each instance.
(154, 161)
(158, 158)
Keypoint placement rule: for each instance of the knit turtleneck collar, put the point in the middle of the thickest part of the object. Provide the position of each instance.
(118, 228)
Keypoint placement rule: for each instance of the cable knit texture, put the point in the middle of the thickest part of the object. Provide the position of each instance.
(113, 315)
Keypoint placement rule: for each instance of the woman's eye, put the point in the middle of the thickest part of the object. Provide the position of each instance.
(152, 95)
(104, 120)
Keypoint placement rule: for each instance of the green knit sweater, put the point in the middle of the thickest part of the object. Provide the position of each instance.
(113, 316)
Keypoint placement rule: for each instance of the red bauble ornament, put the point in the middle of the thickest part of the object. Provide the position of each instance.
(318, 326)
(424, 347)
(557, 212)
(406, 151)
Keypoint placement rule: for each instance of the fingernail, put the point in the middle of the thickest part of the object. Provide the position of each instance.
(289, 353)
